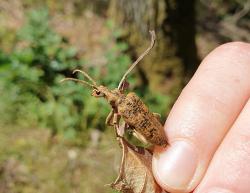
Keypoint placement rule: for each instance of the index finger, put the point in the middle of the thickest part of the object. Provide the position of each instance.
(202, 115)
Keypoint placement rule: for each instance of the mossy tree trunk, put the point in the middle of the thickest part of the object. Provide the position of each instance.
(174, 58)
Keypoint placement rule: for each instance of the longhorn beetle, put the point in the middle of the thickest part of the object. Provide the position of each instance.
(136, 115)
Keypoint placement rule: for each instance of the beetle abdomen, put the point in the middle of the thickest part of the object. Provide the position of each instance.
(137, 115)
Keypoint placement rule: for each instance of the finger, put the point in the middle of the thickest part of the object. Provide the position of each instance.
(229, 171)
(202, 115)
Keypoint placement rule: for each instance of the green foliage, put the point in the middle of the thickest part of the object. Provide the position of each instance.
(29, 82)
(31, 93)
(30, 74)
(46, 50)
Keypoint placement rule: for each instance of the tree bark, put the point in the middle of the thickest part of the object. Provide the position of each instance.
(174, 58)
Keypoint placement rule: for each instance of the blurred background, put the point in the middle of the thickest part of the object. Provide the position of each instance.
(52, 136)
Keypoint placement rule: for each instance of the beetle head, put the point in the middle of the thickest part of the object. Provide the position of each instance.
(112, 96)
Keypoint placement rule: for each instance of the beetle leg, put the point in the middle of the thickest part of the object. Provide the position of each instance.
(140, 137)
(118, 128)
(157, 116)
(122, 128)
(110, 118)
(119, 131)
(137, 134)
(116, 119)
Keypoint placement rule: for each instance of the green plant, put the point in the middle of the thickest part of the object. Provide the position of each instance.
(31, 94)
(30, 73)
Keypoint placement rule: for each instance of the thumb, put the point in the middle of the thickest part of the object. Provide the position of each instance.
(201, 117)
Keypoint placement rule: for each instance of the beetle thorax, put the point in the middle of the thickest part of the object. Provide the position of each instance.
(112, 96)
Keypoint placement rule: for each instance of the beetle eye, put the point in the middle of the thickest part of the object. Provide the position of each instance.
(97, 93)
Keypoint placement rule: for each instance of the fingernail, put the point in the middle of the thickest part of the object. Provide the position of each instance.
(175, 167)
(219, 190)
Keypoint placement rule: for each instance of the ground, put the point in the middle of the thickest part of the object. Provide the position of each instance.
(30, 162)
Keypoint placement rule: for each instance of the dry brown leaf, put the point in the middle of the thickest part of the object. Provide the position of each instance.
(135, 171)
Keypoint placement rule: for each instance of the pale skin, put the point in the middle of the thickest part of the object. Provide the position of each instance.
(209, 128)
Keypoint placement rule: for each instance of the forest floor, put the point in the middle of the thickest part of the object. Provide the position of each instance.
(31, 163)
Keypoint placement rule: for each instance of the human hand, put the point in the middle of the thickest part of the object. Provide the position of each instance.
(209, 128)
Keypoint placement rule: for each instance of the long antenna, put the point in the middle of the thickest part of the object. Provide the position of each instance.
(80, 81)
(152, 33)
(86, 75)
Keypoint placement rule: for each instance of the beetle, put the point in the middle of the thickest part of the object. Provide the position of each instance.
(145, 125)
